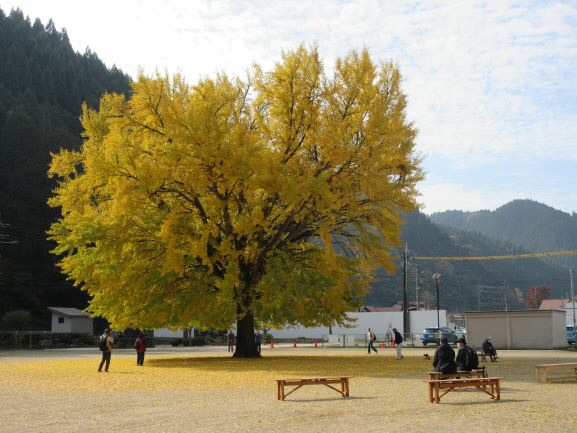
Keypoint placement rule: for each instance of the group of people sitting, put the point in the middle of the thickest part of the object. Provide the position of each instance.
(466, 359)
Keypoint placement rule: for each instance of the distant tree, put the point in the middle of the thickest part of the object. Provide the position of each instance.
(266, 201)
(17, 320)
(536, 295)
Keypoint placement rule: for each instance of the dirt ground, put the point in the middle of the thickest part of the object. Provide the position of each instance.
(204, 390)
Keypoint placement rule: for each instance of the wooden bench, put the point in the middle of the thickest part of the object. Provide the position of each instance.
(541, 371)
(448, 385)
(326, 381)
(437, 375)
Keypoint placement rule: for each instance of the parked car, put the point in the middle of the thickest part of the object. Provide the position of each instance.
(428, 335)
(570, 335)
(461, 332)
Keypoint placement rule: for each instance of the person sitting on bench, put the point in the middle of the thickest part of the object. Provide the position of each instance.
(444, 360)
(467, 359)
(489, 349)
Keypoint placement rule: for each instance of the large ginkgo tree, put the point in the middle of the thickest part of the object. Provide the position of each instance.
(265, 200)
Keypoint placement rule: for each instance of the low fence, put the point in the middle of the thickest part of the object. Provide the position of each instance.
(353, 340)
(44, 339)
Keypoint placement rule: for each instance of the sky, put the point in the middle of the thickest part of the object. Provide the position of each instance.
(491, 85)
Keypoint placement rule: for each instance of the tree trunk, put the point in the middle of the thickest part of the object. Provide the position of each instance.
(245, 342)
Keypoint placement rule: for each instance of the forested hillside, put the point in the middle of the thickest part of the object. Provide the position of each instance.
(533, 226)
(465, 284)
(43, 83)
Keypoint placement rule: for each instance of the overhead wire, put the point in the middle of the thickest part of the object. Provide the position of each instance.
(505, 257)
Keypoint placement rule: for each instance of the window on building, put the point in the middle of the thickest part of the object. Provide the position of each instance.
(61, 320)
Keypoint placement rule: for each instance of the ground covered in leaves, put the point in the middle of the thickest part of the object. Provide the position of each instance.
(207, 391)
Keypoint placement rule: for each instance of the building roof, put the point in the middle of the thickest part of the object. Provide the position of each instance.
(68, 312)
(370, 309)
(552, 304)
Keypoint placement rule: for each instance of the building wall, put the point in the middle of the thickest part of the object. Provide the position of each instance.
(60, 327)
(533, 329)
(71, 324)
(81, 325)
(167, 333)
(379, 322)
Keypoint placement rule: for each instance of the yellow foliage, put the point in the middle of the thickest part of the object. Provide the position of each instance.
(184, 199)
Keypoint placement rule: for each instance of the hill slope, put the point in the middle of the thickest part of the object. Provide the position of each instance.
(465, 285)
(43, 83)
(533, 226)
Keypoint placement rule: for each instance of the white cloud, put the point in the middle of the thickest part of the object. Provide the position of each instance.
(487, 81)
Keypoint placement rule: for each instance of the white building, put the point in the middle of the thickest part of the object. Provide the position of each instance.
(66, 320)
(569, 309)
(532, 329)
(380, 322)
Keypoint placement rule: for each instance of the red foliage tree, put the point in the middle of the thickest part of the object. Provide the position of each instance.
(535, 296)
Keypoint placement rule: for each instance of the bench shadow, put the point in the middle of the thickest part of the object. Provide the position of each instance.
(304, 400)
(481, 402)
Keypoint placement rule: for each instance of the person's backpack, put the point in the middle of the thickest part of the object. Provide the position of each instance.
(472, 359)
(103, 343)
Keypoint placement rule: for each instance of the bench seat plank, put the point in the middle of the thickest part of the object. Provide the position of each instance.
(542, 369)
(448, 385)
(326, 381)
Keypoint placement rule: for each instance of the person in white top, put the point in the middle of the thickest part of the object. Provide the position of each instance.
(372, 338)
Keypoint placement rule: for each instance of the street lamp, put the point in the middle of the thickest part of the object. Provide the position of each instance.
(437, 277)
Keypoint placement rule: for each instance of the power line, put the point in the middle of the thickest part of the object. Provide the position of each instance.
(508, 257)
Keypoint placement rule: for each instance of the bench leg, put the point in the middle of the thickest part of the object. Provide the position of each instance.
(280, 393)
(437, 397)
(498, 388)
(430, 392)
(346, 386)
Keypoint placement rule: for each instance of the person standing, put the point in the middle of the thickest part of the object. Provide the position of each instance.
(106, 343)
(372, 338)
(257, 341)
(444, 360)
(231, 341)
(140, 346)
(398, 339)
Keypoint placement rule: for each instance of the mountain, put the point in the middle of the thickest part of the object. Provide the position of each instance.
(43, 83)
(532, 226)
(465, 285)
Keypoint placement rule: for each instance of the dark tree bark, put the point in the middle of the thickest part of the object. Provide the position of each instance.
(245, 342)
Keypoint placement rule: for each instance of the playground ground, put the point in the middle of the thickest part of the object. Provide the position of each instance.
(204, 390)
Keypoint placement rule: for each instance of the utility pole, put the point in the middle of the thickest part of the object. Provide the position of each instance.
(572, 299)
(437, 277)
(417, 285)
(406, 318)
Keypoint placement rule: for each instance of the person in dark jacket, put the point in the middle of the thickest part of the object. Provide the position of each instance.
(489, 349)
(466, 356)
(398, 343)
(140, 346)
(257, 341)
(107, 353)
(444, 360)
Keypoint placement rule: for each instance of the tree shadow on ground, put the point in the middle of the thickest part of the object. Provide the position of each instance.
(514, 370)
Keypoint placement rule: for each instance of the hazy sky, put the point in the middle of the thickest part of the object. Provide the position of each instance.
(492, 85)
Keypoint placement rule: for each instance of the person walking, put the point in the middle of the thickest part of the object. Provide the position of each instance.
(105, 344)
(140, 346)
(230, 338)
(372, 338)
(444, 360)
(398, 339)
